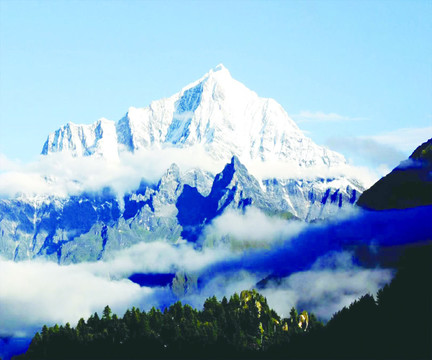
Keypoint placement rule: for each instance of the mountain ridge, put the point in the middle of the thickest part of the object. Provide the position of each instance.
(406, 186)
(216, 111)
(86, 227)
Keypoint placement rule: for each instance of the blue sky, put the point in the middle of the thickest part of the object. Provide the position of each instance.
(351, 73)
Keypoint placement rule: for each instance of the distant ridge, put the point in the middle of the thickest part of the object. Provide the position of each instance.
(407, 186)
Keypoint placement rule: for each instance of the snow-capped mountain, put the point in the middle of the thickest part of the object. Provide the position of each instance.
(98, 139)
(216, 112)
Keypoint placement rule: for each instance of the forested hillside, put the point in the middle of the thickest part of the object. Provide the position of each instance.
(397, 324)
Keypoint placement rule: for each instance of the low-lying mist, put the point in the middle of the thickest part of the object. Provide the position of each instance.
(319, 267)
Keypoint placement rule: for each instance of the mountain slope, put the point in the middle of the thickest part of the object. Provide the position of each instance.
(216, 112)
(408, 185)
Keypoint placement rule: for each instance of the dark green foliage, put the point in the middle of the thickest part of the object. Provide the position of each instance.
(240, 326)
(406, 306)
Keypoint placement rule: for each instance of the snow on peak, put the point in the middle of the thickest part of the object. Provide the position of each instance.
(215, 112)
(84, 140)
(219, 74)
(218, 70)
(219, 67)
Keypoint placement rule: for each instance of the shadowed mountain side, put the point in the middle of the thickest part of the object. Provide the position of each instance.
(233, 187)
(407, 186)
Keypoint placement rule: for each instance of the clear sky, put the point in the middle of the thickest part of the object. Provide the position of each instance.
(348, 72)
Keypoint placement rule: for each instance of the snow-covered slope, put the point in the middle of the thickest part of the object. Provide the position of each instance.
(217, 112)
(99, 139)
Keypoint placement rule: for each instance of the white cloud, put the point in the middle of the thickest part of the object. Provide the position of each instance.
(333, 282)
(7, 164)
(405, 139)
(325, 290)
(61, 174)
(252, 227)
(33, 293)
(382, 152)
(319, 116)
(286, 170)
(368, 149)
(157, 257)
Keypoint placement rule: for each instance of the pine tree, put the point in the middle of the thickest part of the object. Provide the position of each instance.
(107, 313)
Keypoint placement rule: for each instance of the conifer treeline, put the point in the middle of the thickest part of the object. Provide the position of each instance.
(243, 324)
(397, 324)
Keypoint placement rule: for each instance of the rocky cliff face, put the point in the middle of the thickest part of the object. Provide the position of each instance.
(90, 226)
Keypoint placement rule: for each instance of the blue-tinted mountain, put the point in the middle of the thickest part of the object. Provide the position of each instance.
(91, 225)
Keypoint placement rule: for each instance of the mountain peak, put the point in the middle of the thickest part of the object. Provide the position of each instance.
(216, 112)
(219, 67)
(235, 162)
(219, 74)
(234, 169)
